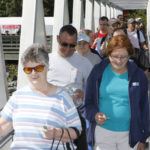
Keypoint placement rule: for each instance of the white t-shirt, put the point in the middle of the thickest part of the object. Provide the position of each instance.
(134, 38)
(68, 70)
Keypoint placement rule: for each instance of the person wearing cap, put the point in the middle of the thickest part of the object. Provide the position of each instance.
(140, 25)
(138, 41)
(113, 24)
(133, 35)
(84, 50)
(89, 33)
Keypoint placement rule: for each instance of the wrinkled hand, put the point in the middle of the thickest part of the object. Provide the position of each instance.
(100, 118)
(140, 146)
(49, 133)
(78, 94)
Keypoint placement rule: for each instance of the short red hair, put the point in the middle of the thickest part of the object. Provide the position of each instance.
(120, 41)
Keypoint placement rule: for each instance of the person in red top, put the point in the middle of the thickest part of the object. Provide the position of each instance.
(102, 30)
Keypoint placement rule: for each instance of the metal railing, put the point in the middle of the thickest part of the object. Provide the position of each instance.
(5, 139)
(11, 44)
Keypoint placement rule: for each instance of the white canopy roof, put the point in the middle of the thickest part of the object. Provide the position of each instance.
(130, 4)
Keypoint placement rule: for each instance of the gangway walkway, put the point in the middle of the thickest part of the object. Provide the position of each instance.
(33, 27)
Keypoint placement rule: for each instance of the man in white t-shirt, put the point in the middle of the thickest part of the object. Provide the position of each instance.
(136, 37)
(67, 68)
(70, 70)
(138, 41)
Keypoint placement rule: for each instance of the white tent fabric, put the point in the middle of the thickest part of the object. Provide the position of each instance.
(130, 4)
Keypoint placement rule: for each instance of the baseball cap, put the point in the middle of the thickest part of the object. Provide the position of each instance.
(131, 20)
(113, 21)
(83, 37)
(137, 19)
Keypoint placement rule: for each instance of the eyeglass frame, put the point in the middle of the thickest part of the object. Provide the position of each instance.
(119, 57)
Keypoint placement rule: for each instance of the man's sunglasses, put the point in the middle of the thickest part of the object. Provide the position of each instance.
(64, 44)
(28, 70)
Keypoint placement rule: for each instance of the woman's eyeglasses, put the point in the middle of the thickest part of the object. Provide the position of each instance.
(28, 70)
(119, 57)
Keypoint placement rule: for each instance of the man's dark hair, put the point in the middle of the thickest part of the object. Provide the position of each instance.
(119, 16)
(71, 30)
(103, 18)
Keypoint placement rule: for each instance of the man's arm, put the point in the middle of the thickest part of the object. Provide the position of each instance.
(144, 46)
(142, 41)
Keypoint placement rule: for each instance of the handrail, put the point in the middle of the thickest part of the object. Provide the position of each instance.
(6, 138)
(11, 44)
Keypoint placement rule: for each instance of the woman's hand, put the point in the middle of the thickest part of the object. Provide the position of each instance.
(100, 118)
(140, 146)
(59, 133)
(49, 132)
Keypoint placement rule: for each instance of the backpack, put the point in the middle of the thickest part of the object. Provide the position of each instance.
(141, 57)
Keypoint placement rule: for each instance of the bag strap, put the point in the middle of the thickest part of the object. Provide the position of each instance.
(52, 144)
(70, 139)
(58, 141)
(138, 35)
(76, 131)
(103, 39)
(96, 35)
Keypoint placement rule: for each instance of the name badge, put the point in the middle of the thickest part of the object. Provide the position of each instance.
(135, 84)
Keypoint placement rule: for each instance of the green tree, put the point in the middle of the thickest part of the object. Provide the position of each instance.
(14, 8)
(3, 8)
(48, 7)
(137, 13)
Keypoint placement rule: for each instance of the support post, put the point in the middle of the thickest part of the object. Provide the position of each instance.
(3, 78)
(78, 14)
(103, 8)
(97, 14)
(108, 11)
(61, 17)
(89, 14)
(32, 31)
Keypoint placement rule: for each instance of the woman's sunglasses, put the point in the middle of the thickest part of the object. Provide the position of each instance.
(28, 70)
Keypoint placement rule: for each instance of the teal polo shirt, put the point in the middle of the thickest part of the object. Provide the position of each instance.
(114, 100)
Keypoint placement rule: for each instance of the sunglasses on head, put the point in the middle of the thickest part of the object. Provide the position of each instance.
(28, 70)
(64, 44)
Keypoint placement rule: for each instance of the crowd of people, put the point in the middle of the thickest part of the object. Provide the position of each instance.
(92, 94)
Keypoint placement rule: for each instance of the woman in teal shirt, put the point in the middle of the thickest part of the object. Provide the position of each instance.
(116, 101)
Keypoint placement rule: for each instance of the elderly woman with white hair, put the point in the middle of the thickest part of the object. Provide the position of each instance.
(41, 114)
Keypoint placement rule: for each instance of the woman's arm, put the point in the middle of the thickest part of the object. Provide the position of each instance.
(56, 133)
(90, 105)
(5, 126)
